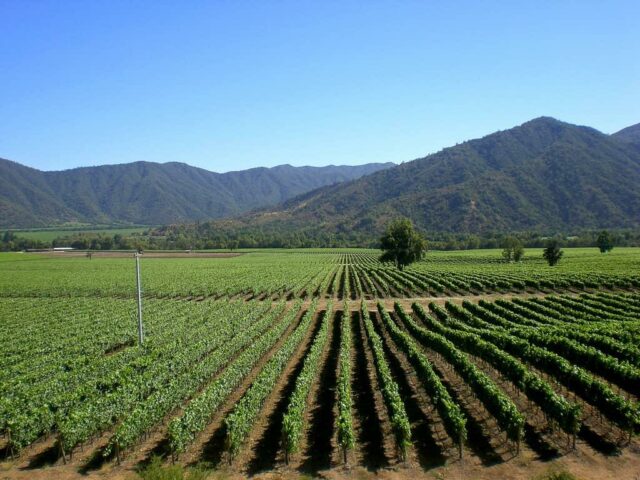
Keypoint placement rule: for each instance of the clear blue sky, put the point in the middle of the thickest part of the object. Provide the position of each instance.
(228, 85)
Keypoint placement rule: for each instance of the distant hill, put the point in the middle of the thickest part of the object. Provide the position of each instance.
(151, 193)
(544, 175)
(630, 134)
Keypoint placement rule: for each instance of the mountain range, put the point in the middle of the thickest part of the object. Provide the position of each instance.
(544, 175)
(151, 193)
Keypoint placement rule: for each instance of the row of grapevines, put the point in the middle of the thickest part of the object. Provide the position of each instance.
(399, 281)
(449, 411)
(439, 284)
(583, 308)
(613, 406)
(383, 284)
(422, 283)
(346, 436)
(626, 303)
(293, 421)
(621, 373)
(70, 400)
(384, 278)
(551, 314)
(357, 284)
(324, 285)
(245, 413)
(80, 331)
(495, 400)
(611, 346)
(397, 413)
(346, 283)
(609, 309)
(583, 321)
(538, 318)
(163, 361)
(556, 407)
(151, 411)
(335, 284)
(363, 277)
(183, 429)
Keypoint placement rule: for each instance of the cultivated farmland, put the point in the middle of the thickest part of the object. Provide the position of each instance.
(321, 361)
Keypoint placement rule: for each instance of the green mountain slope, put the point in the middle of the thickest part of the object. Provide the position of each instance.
(543, 175)
(630, 134)
(152, 193)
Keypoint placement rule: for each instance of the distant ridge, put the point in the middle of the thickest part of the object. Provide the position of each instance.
(544, 175)
(630, 134)
(152, 193)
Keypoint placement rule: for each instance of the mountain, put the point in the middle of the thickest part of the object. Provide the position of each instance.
(152, 193)
(543, 175)
(630, 134)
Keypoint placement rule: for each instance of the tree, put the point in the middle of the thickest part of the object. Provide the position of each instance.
(513, 251)
(401, 244)
(552, 252)
(8, 236)
(605, 242)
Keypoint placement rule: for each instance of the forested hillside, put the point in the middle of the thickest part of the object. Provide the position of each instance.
(544, 175)
(151, 193)
(630, 134)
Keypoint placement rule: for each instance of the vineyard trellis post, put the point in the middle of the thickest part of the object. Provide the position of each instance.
(139, 291)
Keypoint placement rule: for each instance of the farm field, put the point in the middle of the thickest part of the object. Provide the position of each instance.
(281, 364)
(49, 234)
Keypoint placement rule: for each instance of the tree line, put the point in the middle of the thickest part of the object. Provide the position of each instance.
(204, 237)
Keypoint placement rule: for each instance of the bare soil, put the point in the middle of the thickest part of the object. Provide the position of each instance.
(584, 465)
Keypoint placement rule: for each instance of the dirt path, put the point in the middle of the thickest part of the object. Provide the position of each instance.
(406, 302)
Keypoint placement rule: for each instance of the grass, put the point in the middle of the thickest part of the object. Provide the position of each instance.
(557, 475)
(156, 471)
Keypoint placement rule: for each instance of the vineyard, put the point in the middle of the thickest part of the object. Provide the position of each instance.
(310, 360)
(340, 274)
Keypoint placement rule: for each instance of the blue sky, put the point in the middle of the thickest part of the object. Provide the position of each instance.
(228, 85)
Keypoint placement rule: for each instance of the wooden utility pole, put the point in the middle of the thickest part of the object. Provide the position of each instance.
(139, 289)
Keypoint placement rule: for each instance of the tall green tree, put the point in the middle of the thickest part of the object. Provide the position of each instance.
(605, 242)
(552, 252)
(401, 244)
(512, 249)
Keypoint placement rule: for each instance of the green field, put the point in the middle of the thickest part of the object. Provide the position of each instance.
(311, 357)
(300, 273)
(47, 235)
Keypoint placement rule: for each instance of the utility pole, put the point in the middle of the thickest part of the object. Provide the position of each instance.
(139, 288)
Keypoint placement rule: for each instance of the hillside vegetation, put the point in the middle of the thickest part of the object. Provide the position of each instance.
(151, 193)
(543, 175)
